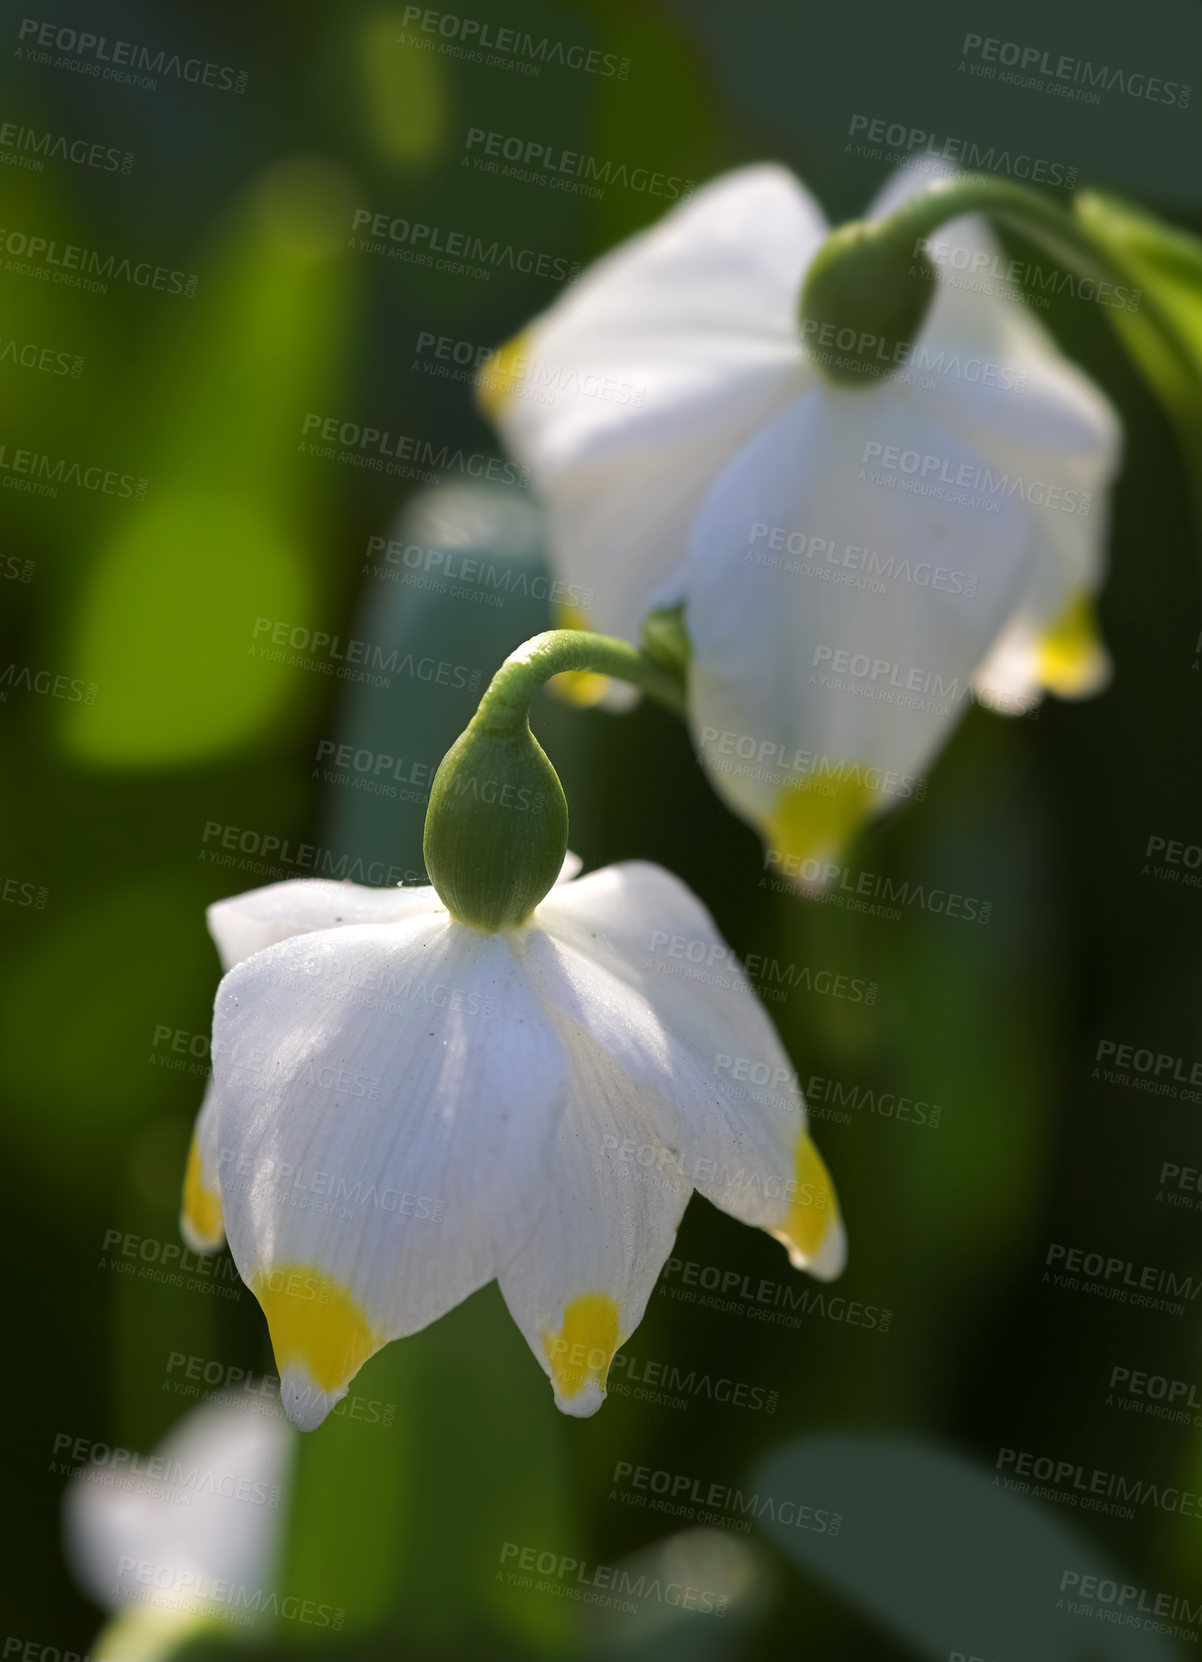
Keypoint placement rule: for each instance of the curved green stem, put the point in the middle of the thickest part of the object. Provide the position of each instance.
(1041, 220)
(507, 698)
(497, 820)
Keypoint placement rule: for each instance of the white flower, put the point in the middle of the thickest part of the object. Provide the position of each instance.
(855, 562)
(188, 1534)
(406, 1107)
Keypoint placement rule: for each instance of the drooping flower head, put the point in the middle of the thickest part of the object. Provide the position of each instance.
(405, 1107)
(856, 559)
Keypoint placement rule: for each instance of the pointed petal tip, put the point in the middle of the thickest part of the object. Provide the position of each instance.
(812, 1231)
(583, 1403)
(198, 1238)
(304, 1401)
(200, 1220)
(831, 1259)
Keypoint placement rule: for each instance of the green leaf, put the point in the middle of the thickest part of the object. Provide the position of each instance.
(1165, 266)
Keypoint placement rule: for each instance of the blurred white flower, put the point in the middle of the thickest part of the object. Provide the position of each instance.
(185, 1536)
(855, 562)
(407, 1107)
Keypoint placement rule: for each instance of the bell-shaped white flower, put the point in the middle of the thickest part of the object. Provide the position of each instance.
(184, 1536)
(406, 1107)
(856, 562)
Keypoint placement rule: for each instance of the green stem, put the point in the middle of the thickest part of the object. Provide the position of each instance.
(507, 698)
(1039, 219)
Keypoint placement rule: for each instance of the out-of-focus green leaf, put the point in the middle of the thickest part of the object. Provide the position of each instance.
(78, 1013)
(227, 533)
(1165, 265)
(406, 102)
(942, 1553)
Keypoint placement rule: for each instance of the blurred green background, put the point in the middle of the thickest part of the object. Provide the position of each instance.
(165, 725)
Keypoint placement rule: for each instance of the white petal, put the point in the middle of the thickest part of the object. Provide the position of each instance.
(633, 958)
(696, 314)
(698, 317)
(620, 534)
(388, 1101)
(205, 1510)
(246, 923)
(579, 1286)
(1000, 378)
(800, 740)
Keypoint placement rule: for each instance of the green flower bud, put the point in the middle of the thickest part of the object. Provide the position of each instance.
(864, 300)
(496, 825)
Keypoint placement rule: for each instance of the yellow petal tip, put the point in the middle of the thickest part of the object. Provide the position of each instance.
(320, 1334)
(501, 376)
(579, 1355)
(1071, 660)
(814, 820)
(811, 1231)
(200, 1222)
